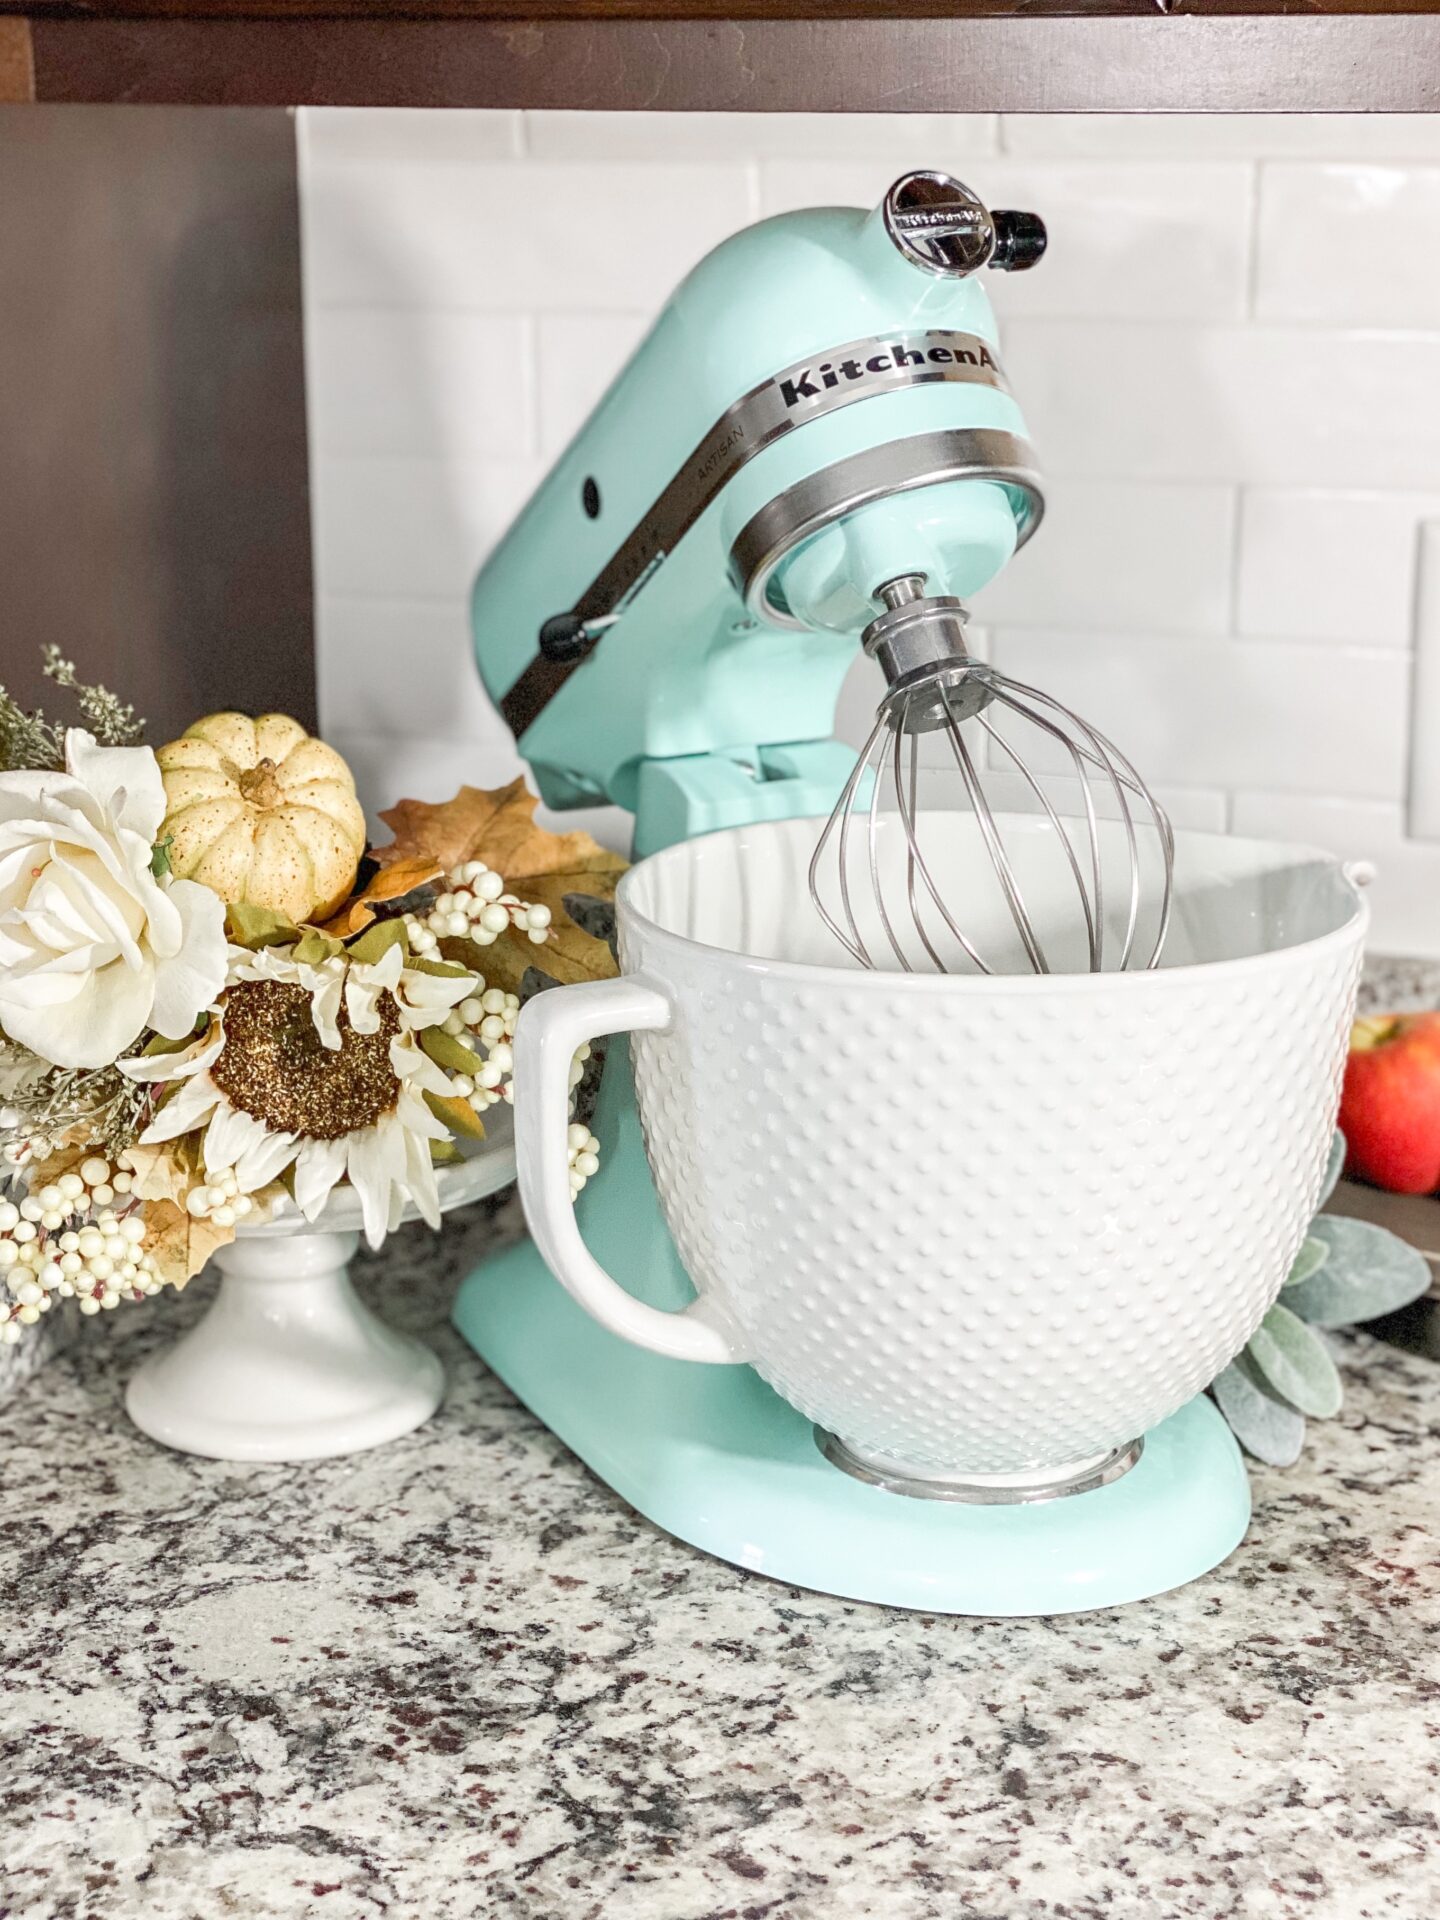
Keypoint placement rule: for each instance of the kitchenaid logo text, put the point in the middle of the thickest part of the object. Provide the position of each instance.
(931, 219)
(808, 383)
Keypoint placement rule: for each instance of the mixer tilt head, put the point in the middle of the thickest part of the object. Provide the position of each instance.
(934, 685)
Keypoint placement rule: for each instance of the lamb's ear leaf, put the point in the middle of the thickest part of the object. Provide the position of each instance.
(1334, 1166)
(1366, 1272)
(1265, 1425)
(1296, 1363)
(1311, 1257)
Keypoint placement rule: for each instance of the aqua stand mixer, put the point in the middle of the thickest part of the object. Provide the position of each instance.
(815, 440)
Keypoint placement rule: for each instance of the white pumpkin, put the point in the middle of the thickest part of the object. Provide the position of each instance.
(259, 811)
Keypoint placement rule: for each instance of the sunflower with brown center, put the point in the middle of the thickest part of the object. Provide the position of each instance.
(315, 1068)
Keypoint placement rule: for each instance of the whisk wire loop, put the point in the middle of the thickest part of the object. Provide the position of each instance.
(1094, 928)
(958, 693)
(1000, 859)
(915, 855)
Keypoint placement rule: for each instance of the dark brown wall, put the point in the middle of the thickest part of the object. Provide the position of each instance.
(154, 518)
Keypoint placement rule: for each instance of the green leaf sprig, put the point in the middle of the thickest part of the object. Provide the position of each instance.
(1347, 1271)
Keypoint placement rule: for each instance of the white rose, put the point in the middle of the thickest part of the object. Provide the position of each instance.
(93, 948)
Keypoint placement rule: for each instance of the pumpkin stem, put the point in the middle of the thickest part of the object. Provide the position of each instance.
(259, 785)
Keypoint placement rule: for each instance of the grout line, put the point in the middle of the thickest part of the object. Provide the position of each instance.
(1416, 806)
(753, 194)
(1237, 538)
(530, 385)
(1252, 239)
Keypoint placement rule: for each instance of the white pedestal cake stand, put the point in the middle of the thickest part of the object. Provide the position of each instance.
(289, 1363)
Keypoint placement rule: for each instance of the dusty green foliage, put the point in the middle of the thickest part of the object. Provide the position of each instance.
(49, 1103)
(1346, 1272)
(112, 722)
(29, 740)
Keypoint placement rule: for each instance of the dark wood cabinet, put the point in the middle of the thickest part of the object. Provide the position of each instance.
(770, 55)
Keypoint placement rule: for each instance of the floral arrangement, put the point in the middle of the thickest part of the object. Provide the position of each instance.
(215, 998)
(1347, 1271)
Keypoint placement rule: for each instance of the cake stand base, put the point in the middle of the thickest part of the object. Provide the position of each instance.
(288, 1364)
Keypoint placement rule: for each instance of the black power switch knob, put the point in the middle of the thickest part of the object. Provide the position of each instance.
(563, 638)
(1019, 240)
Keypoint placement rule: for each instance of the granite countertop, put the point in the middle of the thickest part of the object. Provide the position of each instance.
(457, 1677)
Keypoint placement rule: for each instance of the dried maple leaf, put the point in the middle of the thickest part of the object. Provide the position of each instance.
(392, 881)
(161, 1173)
(74, 1147)
(538, 867)
(178, 1243)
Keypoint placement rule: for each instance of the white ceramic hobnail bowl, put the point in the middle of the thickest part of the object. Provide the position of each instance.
(973, 1226)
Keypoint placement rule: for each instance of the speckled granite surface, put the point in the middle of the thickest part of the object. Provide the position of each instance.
(1399, 986)
(456, 1677)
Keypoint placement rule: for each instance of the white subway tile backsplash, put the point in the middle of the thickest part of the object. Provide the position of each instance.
(1229, 713)
(403, 135)
(1407, 879)
(408, 380)
(1278, 406)
(1229, 361)
(1238, 136)
(1349, 246)
(1329, 565)
(1120, 555)
(426, 234)
(411, 527)
(579, 355)
(896, 140)
(1153, 243)
(378, 658)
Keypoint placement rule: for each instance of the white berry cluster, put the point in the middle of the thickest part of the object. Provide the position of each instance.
(475, 907)
(487, 1018)
(20, 1149)
(219, 1201)
(68, 1240)
(584, 1153)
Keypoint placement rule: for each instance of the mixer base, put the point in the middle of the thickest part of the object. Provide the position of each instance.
(714, 1457)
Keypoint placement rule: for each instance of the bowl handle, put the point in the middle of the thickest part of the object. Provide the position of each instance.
(551, 1026)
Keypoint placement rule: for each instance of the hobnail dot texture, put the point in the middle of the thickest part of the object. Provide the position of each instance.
(994, 1230)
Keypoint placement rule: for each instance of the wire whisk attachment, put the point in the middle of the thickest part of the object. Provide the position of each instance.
(982, 889)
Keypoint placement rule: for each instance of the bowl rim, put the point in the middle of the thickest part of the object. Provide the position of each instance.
(1351, 932)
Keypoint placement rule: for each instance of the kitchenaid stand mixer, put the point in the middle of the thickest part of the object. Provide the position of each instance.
(815, 442)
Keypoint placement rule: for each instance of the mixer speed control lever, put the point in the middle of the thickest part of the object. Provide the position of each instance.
(569, 636)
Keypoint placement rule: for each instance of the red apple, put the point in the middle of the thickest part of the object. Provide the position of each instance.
(1390, 1109)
